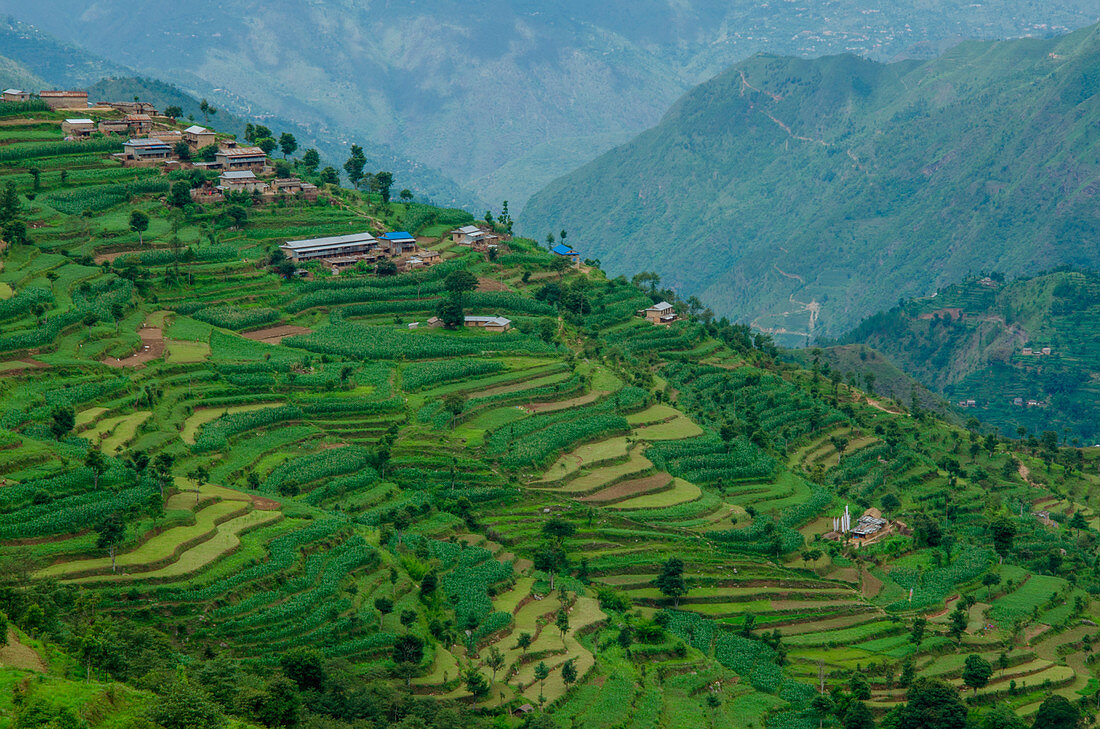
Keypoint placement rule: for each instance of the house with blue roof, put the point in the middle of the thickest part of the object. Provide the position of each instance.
(398, 242)
(566, 252)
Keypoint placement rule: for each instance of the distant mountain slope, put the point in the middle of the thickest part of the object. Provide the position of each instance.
(795, 193)
(14, 74)
(469, 88)
(969, 343)
(39, 60)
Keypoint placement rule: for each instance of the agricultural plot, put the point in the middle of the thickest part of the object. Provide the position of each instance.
(293, 466)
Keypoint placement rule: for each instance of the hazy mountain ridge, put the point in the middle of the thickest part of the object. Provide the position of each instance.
(471, 90)
(790, 192)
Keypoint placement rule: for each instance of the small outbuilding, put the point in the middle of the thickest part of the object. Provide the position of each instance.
(77, 128)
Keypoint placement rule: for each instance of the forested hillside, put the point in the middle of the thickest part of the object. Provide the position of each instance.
(500, 96)
(803, 195)
(240, 492)
(984, 340)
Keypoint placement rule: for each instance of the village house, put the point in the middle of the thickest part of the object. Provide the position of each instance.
(430, 257)
(77, 128)
(241, 181)
(463, 236)
(145, 150)
(139, 123)
(1018, 401)
(114, 126)
(566, 252)
(968, 403)
(241, 158)
(171, 137)
(476, 237)
(133, 107)
(64, 99)
(294, 186)
(16, 95)
(355, 247)
(198, 137)
(868, 525)
(662, 313)
(488, 323)
(1027, 351)
(398, 242)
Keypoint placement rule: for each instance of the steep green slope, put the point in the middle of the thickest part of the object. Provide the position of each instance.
(969, 340)
(803, 195)
(258, 498)
(469, 88)
(14, 75)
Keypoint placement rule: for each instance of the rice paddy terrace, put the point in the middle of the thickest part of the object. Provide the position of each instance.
(288, 464)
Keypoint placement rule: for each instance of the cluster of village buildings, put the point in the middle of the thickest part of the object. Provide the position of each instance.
(150, 143)
(243, 169)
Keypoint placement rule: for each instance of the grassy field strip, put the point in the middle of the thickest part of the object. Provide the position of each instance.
(586, 455)
(122, 425)
(653, 414)
(848, 629)
(444, 668)
(203, 416)
(681, 493)
(161, 547)
(732, 593)
(585, 612)
(124, 431)
(182, 351)
(226, 540)
(676, 429)
(550, 379)
(593, 480)
(485, 385)
(85, 418)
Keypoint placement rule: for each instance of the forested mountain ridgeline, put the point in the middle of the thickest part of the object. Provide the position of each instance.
(802, 195)
(1026, 352)
(501, 96)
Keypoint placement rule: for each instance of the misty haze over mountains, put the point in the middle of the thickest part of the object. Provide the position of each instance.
(498, 97)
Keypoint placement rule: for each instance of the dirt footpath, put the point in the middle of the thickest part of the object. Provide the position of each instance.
(274, 335)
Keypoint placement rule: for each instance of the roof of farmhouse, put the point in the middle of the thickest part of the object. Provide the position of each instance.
(335, 240)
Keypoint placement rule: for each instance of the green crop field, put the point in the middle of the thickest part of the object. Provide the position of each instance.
(616, 523)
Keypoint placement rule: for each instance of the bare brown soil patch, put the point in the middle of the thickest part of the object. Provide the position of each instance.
(264, 504)
(20, 656)
(627, 489)
(274, 335)
(152, 347)
(489, 284)
(110, 257)
(547, 407)
(872, 585)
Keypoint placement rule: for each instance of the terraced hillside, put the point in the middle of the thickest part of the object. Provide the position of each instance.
(1025, 351)
(232, 490)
